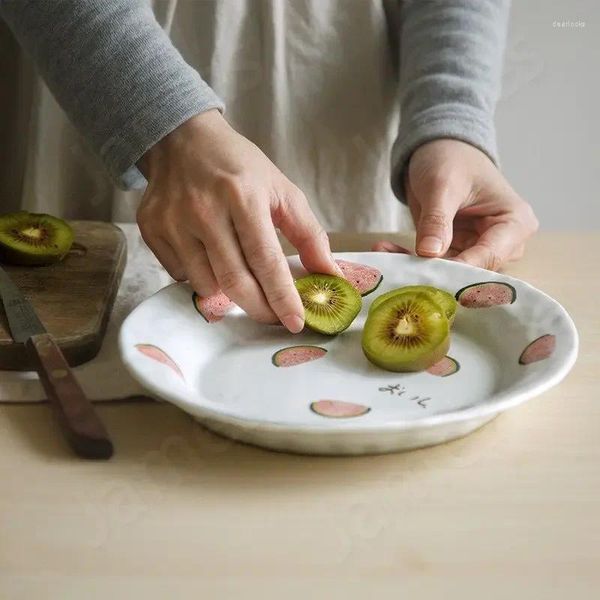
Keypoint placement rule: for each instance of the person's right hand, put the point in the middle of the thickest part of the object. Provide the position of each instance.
(209, 215)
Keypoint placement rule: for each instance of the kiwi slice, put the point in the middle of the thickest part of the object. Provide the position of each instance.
(407, 332)
(444, 299)
(33, 239)
(330, 303)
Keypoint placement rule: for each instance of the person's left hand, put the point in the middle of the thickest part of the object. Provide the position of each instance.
(463, 207)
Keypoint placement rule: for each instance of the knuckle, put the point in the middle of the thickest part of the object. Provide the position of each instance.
(290, 201)
(315, 235)
(492, 260)
(296, 196)
(280, 295)
(434, 220)
(527, 217)
(201, 213)
(230, 188)
(264, 259)
(233, 282)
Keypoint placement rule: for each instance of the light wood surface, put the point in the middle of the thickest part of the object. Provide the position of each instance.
(512, 511)
(72, 298)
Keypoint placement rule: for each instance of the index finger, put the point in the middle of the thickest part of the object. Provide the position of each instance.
(267, 262)
(300, 226)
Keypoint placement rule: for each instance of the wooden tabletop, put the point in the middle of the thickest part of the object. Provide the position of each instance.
(512, 510)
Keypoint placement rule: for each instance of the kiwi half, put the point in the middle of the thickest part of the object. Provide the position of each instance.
(407, 332)
(330, 303)
(444, 299)
(33, 239)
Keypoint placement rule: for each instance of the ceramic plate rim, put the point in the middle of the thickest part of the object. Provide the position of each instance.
(494, 405)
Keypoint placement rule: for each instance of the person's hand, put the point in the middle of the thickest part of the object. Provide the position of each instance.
(209, 215)
(463, 207)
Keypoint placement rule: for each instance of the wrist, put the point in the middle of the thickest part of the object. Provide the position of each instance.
(177, 141)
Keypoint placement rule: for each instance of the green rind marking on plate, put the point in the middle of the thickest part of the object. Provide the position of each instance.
(481, 283)
(531, 344)
(456, 367)
(373, 288)
(274, 357)
(367, 410)
(194, 296)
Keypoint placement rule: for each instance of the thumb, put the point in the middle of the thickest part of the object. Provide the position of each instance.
(438, 208)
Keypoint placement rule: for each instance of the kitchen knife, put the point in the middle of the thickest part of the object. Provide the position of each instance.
(82, 427)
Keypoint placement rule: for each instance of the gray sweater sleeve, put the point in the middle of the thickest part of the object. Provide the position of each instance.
(450, 69)
(114, 71)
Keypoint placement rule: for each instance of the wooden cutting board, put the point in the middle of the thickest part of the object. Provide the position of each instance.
(73, 298)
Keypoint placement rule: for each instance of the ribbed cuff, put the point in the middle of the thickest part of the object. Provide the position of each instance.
(436, 123)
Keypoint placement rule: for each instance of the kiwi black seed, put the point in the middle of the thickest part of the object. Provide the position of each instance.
(33, 239)
(407, 332)
(330, 303)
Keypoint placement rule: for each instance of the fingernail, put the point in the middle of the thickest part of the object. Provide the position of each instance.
(339, 271)
(430, 245)
(293, 323)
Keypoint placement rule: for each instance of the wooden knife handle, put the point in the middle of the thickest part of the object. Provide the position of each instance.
(82, 427)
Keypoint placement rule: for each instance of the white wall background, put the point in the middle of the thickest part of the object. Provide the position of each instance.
(548, 118)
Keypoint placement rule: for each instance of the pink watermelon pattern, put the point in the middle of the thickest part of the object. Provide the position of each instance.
(297, 355)
(338, 409)
(213, 308)
(486, 294)
(364, 278)
(540, 349)
(445, 367)
(155, 353)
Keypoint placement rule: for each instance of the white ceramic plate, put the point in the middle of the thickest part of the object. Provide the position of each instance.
(222, 372)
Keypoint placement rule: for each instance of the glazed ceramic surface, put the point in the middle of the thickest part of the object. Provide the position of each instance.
(312, 393)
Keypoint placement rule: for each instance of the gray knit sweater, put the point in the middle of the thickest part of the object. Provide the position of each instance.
(124, 86)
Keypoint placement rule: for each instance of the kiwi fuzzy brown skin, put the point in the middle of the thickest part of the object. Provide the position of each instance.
(330, 303)
(31, 239)
(426, 341)
(444, 299)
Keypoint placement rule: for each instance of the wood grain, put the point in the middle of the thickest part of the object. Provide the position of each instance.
(73, 298)
(511, 511)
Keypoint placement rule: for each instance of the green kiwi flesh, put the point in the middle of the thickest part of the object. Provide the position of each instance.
(330, 303)
(407, 332)
(33, 239)
(444, 299)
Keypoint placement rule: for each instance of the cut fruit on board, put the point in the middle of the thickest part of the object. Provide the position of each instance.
(445, 367)
(33, 239)
(212, 308)
(338, 409)
(297, 355)
(155, 353)
(364, 278)
(484, 295)
(540, 349)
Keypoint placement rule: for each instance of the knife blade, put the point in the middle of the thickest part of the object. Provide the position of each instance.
(81, 425)
(22, 320)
